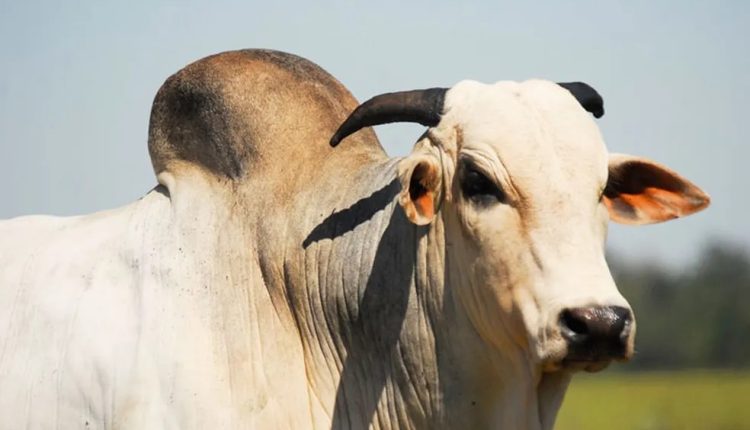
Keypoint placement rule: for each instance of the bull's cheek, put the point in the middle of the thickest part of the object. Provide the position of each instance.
(532, 323)
(500, 317)
(504, 290)
(487, 312)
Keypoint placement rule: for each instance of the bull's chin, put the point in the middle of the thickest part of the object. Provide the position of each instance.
(565, 360)
(591, 366)
(576, 362)
(576, 365)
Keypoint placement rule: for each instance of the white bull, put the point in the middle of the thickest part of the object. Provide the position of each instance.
(273, 281)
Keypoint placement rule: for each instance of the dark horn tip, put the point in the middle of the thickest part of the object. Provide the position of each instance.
(340, 134)
(587, 96)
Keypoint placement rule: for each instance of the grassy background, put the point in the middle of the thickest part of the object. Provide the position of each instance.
(657, 400)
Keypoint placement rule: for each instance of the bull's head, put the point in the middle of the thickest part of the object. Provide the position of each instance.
(526, 187)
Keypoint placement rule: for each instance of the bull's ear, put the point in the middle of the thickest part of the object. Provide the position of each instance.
(420, 175)
(640, 191)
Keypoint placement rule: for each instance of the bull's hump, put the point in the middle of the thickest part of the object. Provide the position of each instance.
(232, 112)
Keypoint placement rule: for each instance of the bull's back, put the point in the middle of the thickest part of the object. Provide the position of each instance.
(66, 318)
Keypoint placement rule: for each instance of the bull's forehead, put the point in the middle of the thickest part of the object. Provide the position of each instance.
(534, 134)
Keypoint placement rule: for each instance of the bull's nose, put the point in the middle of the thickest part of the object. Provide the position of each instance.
(596, 333)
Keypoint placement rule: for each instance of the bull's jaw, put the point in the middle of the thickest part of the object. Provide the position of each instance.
(550, 394)
(526, 393)
(511, 389)
(538, 411)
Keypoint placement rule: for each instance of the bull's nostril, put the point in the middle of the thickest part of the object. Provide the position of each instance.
(624, 319)
(574, 323)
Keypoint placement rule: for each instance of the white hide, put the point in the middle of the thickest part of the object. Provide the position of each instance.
(122, 319)
(546, 153)
(208, 304)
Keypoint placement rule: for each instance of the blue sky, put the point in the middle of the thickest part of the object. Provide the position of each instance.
(77, 83)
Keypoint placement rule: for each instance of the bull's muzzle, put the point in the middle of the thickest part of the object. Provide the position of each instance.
(597, 334)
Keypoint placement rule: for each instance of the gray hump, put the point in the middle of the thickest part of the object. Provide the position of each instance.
(230, 112)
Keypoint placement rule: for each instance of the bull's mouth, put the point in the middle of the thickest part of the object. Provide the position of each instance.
(571, 365)
(590, 355)
(591, 366)
(592, 362)
(588, 361)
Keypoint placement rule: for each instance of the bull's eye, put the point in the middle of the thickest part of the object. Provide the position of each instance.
(479, 188)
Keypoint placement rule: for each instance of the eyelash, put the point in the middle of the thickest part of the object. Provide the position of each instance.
(479, 189)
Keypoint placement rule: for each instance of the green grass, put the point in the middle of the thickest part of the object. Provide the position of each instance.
(657, 401)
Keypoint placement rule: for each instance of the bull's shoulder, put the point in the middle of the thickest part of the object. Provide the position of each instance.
(68, 306)
(38, 242)
(238, 113)
(23, 234)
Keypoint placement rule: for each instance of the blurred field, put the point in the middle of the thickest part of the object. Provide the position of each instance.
(657, 400)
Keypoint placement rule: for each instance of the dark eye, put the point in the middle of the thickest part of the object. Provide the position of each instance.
(480, 189)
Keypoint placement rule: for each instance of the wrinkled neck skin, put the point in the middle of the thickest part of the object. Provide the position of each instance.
(387, 342)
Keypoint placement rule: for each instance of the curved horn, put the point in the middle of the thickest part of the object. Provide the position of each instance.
(586, 96)
(422, 106)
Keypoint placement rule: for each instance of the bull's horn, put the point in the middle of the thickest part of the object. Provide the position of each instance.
(422, 106)
(586, 96)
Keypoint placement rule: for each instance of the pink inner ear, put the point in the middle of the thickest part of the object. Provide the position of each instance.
(642, 192)
(425, 205)
(421, 193)
(653, 205)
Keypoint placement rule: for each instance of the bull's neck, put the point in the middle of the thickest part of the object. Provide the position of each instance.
(383, 331)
